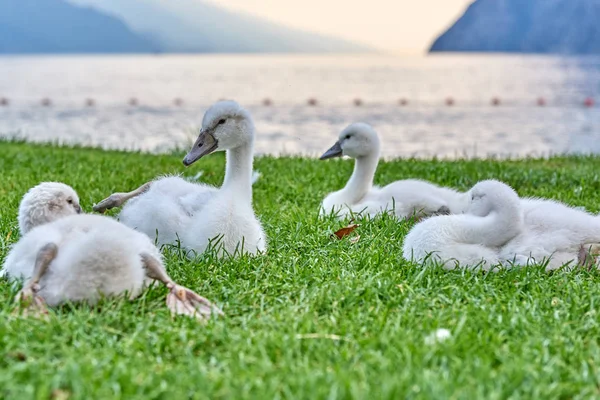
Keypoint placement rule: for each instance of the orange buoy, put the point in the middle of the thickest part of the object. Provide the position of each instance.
(90, 102)
(541, 101)
(589, 102)
(358, 102)
(495, 101)
(312, 101)
(178, 101)
(133, 101)
(46, 102)
(267, 102)
(403, 102)
(3, 101)
(449, 101)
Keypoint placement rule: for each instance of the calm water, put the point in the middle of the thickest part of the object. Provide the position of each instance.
(426, 126)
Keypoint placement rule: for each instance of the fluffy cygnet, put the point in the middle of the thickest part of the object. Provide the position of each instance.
(174, 210)
(79, 257)
(492, 218)
(404, 198)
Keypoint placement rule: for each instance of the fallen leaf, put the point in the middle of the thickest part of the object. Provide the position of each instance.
(340, 233)
(17, 355)
(60, 394)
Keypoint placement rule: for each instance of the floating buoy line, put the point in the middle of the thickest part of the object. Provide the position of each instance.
(450, 101)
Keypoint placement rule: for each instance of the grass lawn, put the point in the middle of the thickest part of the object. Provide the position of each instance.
(314, 318)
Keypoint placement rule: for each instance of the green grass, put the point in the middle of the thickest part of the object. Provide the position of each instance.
(515, 334)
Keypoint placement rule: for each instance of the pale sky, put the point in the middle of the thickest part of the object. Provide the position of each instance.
(394, 25)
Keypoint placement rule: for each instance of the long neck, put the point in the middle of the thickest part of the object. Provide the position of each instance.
(497, 228)
(238, 172)
(361, 180)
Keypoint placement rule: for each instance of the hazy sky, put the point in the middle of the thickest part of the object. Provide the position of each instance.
(396, 25)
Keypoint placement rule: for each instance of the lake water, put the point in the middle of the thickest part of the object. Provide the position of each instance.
(426, 126)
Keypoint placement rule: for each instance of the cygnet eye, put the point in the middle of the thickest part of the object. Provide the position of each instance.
(221, 121)
(347, 137)
(70, 200)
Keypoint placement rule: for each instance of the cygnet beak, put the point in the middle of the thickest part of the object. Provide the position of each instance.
(78, 209)
(205, 144)
(334, 151)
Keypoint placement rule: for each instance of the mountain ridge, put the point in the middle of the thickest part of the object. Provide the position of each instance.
(191, 26)
(54, 26)
(525, 26)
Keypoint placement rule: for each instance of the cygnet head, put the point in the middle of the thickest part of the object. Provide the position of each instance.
(226, 125)
(356, 141)
(490, 196)
(45, 203)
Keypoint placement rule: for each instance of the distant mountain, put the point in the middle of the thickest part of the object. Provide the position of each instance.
(199, 26)
(526, 26)
(55, 26)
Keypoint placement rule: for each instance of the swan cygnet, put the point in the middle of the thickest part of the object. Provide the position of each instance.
(45, 203)
(404, 198)
(555, 235)
(73, 257)
(492, 218)
(195, 214)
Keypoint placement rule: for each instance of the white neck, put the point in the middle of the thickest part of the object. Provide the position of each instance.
(238, 172)
(458, 204)
(361, 181)
(495, 229)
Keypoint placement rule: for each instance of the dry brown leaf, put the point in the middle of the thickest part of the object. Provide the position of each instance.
(60, 394)
(17, 355)
(340, 233)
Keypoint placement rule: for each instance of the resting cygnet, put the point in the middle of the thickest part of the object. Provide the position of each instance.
(198, 216)
(78, 257)
(493, 217)
(403, 198)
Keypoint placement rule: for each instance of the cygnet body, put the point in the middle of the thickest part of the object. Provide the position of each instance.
(79, 257)
(194, 214)
(404, 198)
(555, 234)
(492, 218)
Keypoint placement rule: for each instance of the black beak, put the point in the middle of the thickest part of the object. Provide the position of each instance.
(78, 209)
(334, 151)
(205, 144)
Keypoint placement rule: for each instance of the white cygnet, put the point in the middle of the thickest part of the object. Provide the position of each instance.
(71, 257)
(173, 209)
(403, 198)
(492, 218)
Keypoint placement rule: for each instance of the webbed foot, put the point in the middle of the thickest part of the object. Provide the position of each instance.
(183, 301)
(112, 201)
(589, 254)
(118, 199)
(30, 304)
